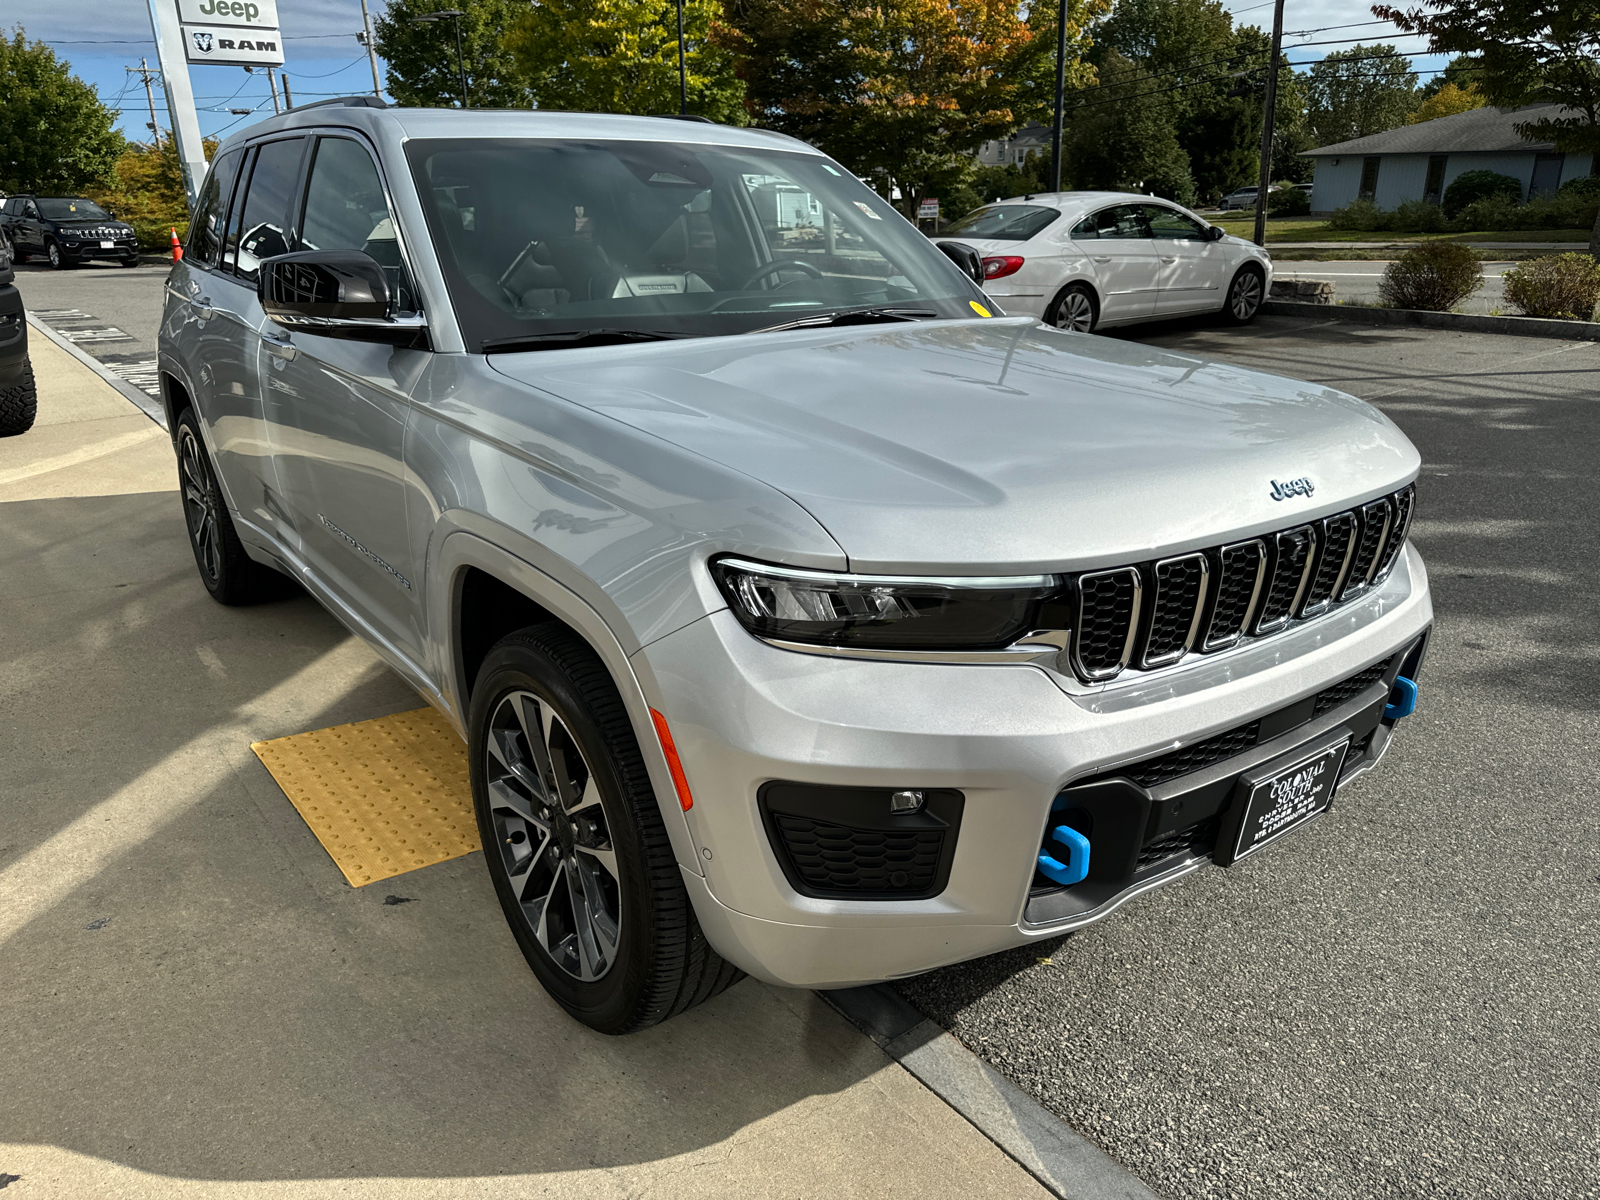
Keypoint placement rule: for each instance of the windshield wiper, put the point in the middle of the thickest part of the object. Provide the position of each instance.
(575, 337)
(851, 316)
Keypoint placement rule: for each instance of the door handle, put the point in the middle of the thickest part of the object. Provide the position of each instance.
(1101, 257)
(201, 305)
(279, 346)
(1164, 258)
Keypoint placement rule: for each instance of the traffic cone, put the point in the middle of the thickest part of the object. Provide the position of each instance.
(177, 246)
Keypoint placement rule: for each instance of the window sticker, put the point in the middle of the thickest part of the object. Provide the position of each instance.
(866, 208)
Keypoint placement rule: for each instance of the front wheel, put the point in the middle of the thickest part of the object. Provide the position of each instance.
(1245, 294)
(574, 839)
(58, 260)
(1074, 309)
(131, 261)
(230, 575)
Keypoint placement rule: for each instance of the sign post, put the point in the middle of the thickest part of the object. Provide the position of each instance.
(180, 96)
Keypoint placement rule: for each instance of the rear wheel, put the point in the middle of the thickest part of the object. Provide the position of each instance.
(1245, 294)
(19, 404)
(1074, 308)
(230, 575)
(575, 842)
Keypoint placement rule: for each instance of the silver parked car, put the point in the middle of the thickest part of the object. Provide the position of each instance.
(804, 616)
(1091, 260)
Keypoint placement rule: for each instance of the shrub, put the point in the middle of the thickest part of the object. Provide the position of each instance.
(1360, 216)
(1475, 185)
(1587, 186)
(1490, 212)
(1435, 276)
(1566, 286)
(1288, 202)
(1418, 216)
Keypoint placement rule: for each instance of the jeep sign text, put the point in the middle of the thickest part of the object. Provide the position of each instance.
(252, 14)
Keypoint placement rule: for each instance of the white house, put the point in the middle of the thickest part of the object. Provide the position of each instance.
(1014, 150)
(1417, 162)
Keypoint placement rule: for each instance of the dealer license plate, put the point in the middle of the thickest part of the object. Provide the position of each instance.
(108, 245)
(1289, 797)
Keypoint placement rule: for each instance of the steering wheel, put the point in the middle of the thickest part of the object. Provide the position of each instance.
(781, 264)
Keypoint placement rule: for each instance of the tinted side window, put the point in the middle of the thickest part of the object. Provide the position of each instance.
(1171, 225)
(1087, 228)
(1123, 221)
(346, 210)
(205, 231)
(263, 229)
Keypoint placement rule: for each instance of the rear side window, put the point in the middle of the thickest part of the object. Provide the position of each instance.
(205, 231)
(262, 228)
(346, 210)
(1004, 222)
(1122, 221)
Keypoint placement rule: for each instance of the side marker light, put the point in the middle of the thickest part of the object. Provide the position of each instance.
(680, 781)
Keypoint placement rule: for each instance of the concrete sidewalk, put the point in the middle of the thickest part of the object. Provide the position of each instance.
(197, 1004)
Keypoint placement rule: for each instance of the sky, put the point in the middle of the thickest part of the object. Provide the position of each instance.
(322, 57)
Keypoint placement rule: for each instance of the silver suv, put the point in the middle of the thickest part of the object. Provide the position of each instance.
(804, 616)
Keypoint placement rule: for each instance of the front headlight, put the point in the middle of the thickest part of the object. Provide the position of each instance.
(825, 608)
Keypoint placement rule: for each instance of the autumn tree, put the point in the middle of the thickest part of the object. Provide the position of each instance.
(422, 56)
(622, 56)
(903, 89)
(55, 133)
(1360, 91)
(1447, 102)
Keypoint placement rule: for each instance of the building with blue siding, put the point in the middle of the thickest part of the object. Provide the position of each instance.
(1417, 162)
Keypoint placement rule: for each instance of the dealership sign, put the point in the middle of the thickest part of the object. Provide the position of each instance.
(234, 33)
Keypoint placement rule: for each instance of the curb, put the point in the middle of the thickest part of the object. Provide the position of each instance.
(148, 405)
(1064, 1161)
(1578, 331)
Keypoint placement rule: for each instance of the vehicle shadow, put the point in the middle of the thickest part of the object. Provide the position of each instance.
(190, 987)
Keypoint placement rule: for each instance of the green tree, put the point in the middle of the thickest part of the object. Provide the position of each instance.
(1446, 102)
(622, 56)
(55, 134)
(900, 89)
(1360, 91)
(1530, 52)
(1462, 71)
(422, 57)
(1119, 135)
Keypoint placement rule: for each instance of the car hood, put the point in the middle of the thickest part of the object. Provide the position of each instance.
(1000, 445)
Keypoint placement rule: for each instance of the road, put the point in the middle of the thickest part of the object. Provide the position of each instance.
(1358, 281)
(1402, 999)
(110, 312)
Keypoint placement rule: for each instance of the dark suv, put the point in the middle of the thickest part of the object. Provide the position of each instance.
(67, 230)
(18, 398)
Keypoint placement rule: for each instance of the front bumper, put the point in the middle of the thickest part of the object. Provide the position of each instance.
(82, 251)
(1009, 738)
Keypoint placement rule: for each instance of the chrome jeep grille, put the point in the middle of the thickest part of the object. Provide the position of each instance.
(1155, 614)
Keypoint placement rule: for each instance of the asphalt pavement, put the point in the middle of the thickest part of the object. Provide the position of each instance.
(1403, 999)
(108, 311)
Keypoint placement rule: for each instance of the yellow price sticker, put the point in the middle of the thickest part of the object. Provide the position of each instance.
(980, 309)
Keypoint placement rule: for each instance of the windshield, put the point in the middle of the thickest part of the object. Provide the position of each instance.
(72, 210)
(1004, 222)
(547, 237)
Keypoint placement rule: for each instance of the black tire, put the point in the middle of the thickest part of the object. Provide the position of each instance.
(655, 962)
(230, 575)
(1245, 295)
(19, 404)
(1075, 307)
(131, 261)
(57, 256)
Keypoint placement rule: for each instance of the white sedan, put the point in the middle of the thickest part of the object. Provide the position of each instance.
(1089, 260)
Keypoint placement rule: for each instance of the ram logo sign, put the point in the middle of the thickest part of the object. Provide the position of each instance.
(217, 45)
(202, 42)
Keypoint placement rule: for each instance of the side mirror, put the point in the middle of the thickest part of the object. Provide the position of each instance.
(965, 257)
(334, 293)
(1215, 233)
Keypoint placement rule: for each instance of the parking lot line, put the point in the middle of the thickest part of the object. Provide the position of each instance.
(384, 796)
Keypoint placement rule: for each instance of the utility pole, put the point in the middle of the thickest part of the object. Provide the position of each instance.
(288, 102)
(372, 54)
(1266, 125)
(144, 72)
(272, 82)
(683, 75)
(1061, 90)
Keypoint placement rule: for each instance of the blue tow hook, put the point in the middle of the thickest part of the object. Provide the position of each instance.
(1402, 699)
(1076, 868)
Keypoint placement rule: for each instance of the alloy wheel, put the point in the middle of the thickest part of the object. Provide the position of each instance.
(1246, 296)
(54, 251)
(1075, 312)
(550, 831)
(198, 506)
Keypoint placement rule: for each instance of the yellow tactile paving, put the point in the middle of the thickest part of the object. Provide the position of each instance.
(384, 796)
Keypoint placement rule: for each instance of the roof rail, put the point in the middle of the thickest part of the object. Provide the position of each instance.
(345, 102)
(685, 117)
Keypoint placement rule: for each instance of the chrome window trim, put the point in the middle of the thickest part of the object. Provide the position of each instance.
(1147, 663)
